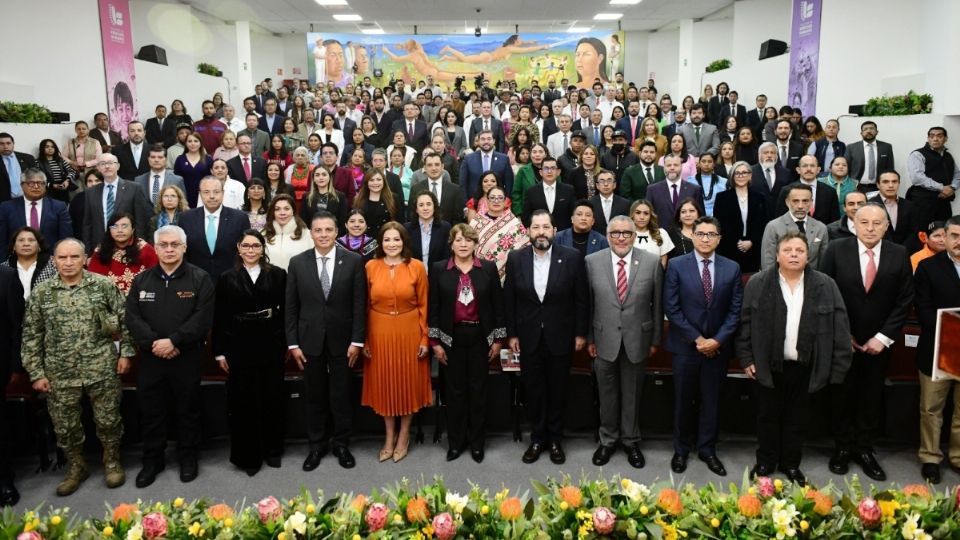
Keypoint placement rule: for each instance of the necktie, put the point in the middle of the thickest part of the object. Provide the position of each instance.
(633, 128)
(34, 217)
(871, 163)
(676, 195)
(111, 203)
(783, 156)
(486, 125)
(324, 277)
(136, 155)
(769, 176)
(433, 189)
(733, 110)
(155, 189)
(566, 141)
(696, 134)
(707, 281)
(548, 191)
(606, 209)
(596, 136)
(621, 280)
(801, 228)
(871, 273)
(211, 233)
(486, 162)
(410, 132)
(649, 176)
(246, 168)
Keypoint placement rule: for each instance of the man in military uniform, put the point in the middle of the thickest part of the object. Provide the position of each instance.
(68, 351)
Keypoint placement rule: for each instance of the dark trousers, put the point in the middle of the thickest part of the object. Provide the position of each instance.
(6, 471)
(856, 402)
(782, 416)
(160, 384)
(327, 381)
(696, 390)
(929, 206)
(465, 378)
(256, 404)
(544, 377)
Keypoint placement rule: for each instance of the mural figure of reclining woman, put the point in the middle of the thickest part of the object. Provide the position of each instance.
(512, 45)
(418, 58)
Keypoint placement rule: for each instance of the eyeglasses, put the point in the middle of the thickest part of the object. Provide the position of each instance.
(110, 163)
(496, 198)
(548, 168)
(169, 245)
(620, 234)
(706, 235)
(120, 227)
(251, 246)
(742, 173)
(32, 183)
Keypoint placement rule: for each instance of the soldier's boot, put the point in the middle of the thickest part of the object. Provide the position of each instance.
(112, 468)
(76, 471)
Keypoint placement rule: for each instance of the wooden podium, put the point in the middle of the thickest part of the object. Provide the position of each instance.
(946, 346)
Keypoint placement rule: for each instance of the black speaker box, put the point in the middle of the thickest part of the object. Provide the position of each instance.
(771, 48)
(153, 53)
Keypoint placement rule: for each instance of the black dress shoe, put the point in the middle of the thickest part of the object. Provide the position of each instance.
(795, 475)
(9, 496)
(602, 456)
(189, 470)
(678, 464)
(714, 464)
(556, 454)
(344, 457)
(533, 453)
(635, 456)
(313, 458)
(839, 461)
(252, 471)
(273, 462)
(453, 454)
(477, 455)
(760, 470)
(148, 474)
(930, 472)
(870, 466)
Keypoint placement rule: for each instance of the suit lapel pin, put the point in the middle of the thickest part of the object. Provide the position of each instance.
(559, 261)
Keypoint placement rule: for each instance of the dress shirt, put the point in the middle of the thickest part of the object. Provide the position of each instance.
(606, 205)
(770, 173)
(813, 186)
(206, 218)
(550, 193)
(862, 250)
(850, 227)
(916, 167)
(235, 125)
(866, 162)
(438, 187)
(794, 301)
(270, 120)
(254, 272)
(828, 156)
(103, 197)
(783, 152)
(26, 210)
(541, 272)
(426, 231)
(26, 277)
(137, 151)
(892, 208)
(616, 265)
(679, 185)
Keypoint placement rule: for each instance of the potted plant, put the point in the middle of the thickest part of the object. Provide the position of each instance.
(909, 103)
(25, 113)
(717, 65)
(209, 69)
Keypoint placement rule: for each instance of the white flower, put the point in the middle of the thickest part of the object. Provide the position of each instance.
(634, 490)
(135, 532)
(783, 516)
(456, 502)
(296, 523)
(911, 528)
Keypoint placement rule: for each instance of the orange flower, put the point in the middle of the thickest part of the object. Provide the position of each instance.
(749, 505)
(571, 495)
(417, 510)
(669, 501)
(124, 512)
(822, 503)
(918, 490)
(359, 503)
(219, 512)
(511, 509)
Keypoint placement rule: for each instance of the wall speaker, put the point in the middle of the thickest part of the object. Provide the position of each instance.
(771, 48)
(153, 53)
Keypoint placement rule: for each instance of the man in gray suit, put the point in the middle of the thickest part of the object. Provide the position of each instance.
(260, 138)
(796, 218)
(700, 136)
(869, 157)
(112, 196)
(159, 176)
(625, 286)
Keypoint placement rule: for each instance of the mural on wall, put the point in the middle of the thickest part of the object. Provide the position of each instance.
(345, 58)
(118, 64)
(804, 56)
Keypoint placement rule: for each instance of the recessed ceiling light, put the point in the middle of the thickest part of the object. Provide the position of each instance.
(375, 31)
(624, 2)
(607, 16)
(331, 2)
(579, 29)
(347, 17)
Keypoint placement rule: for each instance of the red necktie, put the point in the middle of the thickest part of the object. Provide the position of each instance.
(633, 128)
(246, 168)
(707, 281)
(871, 273)
(621, 280)
(34, 217)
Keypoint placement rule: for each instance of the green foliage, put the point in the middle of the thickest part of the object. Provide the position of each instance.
(717, 65)
(909, 103)
(24, 113)
(209, 69)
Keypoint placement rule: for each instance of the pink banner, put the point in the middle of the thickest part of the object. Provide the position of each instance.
(118, 64)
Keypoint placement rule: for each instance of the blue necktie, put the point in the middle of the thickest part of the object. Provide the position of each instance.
(596, 136)
(211, 233)
(111, 204)
(486, 162)
(13, 172)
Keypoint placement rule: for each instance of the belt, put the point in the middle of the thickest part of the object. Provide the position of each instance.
(393, 313)
(467, 323)
(255, 315)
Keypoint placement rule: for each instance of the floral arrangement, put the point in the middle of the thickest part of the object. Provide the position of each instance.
(559, 509)
(909, 103)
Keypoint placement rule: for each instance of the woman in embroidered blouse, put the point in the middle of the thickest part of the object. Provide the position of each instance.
(650, 237)
(170, 204)
(500, 232)
(356, 238)
(121, 255)
(299, 174)
(60, 174)
(193, 166)
(83, 151)
(255, 202)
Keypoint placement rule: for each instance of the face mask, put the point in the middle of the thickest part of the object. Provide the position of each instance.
(618, 147)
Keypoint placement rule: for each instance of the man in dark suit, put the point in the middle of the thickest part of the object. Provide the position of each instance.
(246, 164)
(326, 315)
(606, 203)
(213, 230)
(875, 278)
(717, 103)
(112, 196)
(552, 92)
(755, 117)
(702, 294)
(679, 120)
(448, 194)
(789, 151)
(547, 309)
(825, 207)
(769, 178)
(486, 122)
(485, 159)
(732, 108)
(844, 227)
(631, 124)
(937, 284)
(11, 320)
(133, 155)
(272, 120)
(108, 138)
(393, 113)
(666, 196)
(343, 122)
(556, 198)
(411, 126)
(12, 165)
(35, 209)
(902, 217)
(159, 129)
(637, 178)
(158, 176)
(284, 102)
(869, 157)
(625, 285)
(258, 98)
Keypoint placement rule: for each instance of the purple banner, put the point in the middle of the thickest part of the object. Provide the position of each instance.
(118, 64)
(804, 55)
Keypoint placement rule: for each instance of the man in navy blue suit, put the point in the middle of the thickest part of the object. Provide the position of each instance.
(483, 160)
(702, 294)
(213, 230)
(272, 120)
(666, 196)
(35, 209)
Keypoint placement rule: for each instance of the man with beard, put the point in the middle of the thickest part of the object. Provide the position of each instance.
(825, 206)
(485, 159)
(630, 124)
(797, 218)
(638, 177)
(133, 155)
(935, 176)
(209, 128)
(547, 314)
(259, 138)
(769, 178)
(868, 157)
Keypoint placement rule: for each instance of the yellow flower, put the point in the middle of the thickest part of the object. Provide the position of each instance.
(178, 502)
(228, 523)
(397, 518)
(778, 484)
(282, 536)
(31, 524)
(484, 510)
(804, 525)
(108, 531)
(428, 531)
(752, 490)
(624, 483)
(888, 508)
(195, 529)
(714, 523)
(644, 510)
(311, 508)
(564, 505)
(356, 537)
(55, 520)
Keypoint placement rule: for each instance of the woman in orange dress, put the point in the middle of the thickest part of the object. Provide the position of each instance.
(396, 372)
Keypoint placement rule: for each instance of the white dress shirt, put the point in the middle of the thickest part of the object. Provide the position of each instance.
(27, 205)
(137, 151)
(439, 186)
(541, 272)
(616, 265)
(253, 272)
(606, 204)
(550, 193)
(794, 301)
(216, 221)
(862, 250)
(26, 277)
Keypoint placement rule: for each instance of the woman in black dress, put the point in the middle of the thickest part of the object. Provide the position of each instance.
(378, 203)
(743, 216)
(682, 231)
(249, 345)
(323, 196)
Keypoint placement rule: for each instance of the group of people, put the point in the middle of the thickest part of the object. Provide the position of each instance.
(535, 237)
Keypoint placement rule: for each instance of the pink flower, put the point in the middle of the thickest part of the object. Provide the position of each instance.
(870, 513)
(154, 525)
(766, 486)
(29, 535)
(444, 526)
(956, 497)
(506, 242)
(376, 516)
(604, 520)
(269, 509)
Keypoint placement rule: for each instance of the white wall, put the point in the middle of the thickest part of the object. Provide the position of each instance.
(635, 57)
(662, 59)
(712, 40)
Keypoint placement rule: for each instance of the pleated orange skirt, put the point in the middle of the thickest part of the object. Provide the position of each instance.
(395, 381)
